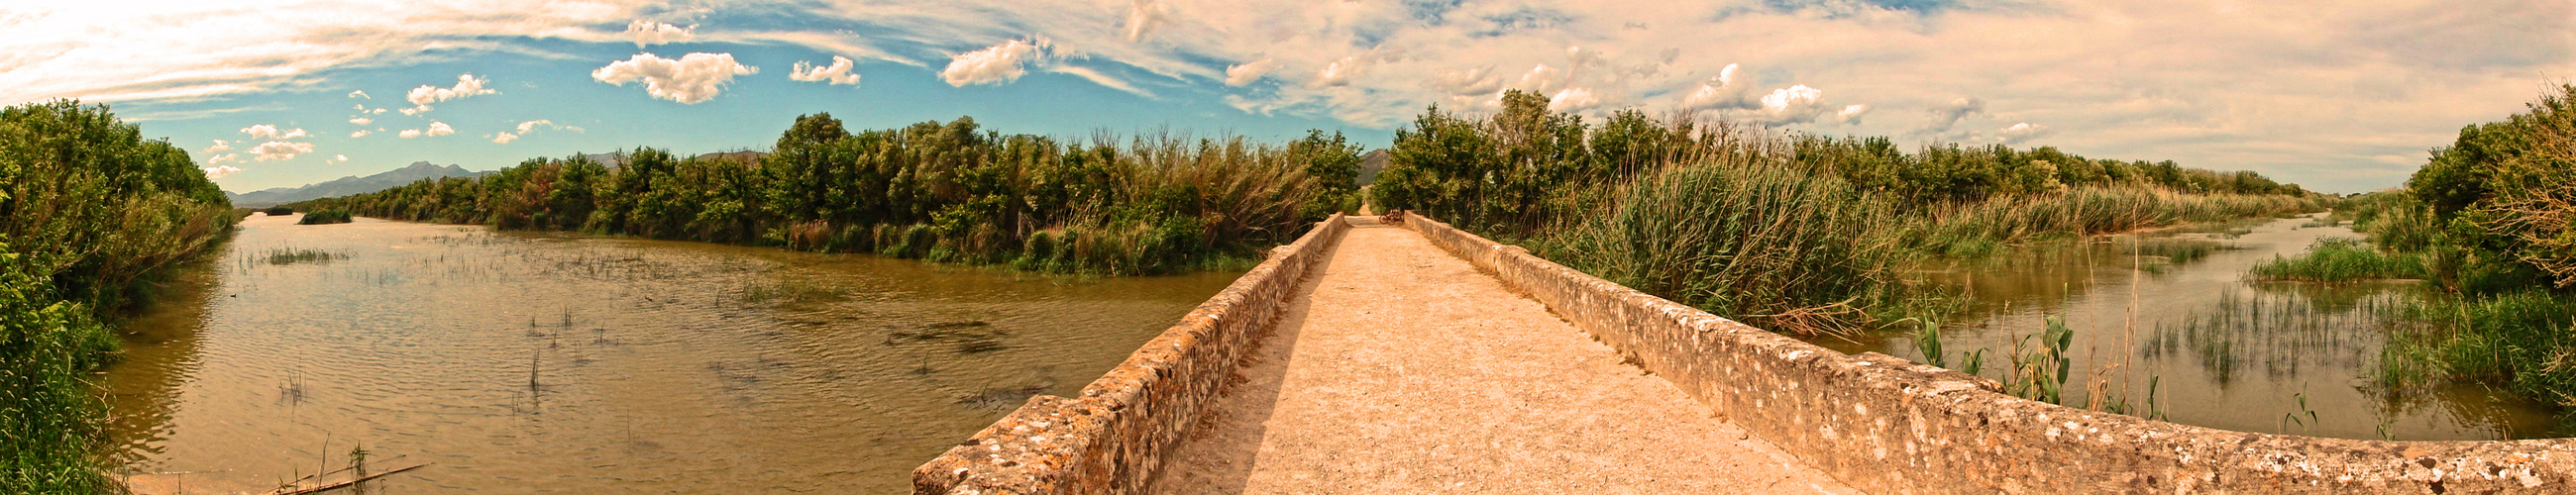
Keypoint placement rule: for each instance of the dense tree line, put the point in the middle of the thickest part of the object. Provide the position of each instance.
(949, 191)
(90, 215)
(1519, 168)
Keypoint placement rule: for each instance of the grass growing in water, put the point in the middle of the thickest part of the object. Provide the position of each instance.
(290, 256)
(2340, 260)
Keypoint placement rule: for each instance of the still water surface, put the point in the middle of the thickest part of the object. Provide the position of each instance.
(2174, 307)
(546, 363)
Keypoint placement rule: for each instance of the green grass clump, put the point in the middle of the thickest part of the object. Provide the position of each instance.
(2340, 260)
(290, 256)
(325, 217)
(2521, 340)
(1773, 245)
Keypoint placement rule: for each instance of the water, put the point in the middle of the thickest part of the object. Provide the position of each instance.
(2222, 351)
(534, 363)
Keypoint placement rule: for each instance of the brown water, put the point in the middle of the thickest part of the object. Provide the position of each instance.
(2221, 351)
(544, 363)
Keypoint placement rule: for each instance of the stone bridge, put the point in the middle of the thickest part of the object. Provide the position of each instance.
(1409, 358)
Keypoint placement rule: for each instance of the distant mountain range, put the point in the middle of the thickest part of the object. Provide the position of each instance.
(349, 185)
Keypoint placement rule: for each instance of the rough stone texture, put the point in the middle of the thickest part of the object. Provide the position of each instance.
(1886, 425)
(1401, 369)
(1113, 436)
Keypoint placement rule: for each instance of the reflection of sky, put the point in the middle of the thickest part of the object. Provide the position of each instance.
(2223, 352)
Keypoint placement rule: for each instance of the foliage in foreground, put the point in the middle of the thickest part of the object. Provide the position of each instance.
(944, 191)
(90, 215)
(1796, 233)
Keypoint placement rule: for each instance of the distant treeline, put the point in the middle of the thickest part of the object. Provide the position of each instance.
(1796, 232)
(91, 214)
(945, 191)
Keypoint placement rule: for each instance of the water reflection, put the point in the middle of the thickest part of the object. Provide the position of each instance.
(524, 362)
(2173, 309)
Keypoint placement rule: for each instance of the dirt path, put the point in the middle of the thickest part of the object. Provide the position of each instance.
(1423, 375)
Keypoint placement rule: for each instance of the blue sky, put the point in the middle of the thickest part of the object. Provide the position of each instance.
(2338, 96)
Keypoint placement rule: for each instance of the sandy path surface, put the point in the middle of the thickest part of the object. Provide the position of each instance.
(1422, 375)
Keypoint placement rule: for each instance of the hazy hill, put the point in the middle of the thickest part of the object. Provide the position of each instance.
(348, 185)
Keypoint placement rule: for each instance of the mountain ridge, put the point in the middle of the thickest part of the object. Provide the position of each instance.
(349, 185)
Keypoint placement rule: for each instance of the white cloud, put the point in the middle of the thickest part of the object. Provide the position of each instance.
(1469, 81)
(2021, 132)
(648, 33)
(1850, 114)
(219, 147)
(1338, 73)
(359, 133)
(504, 137)
(1247, 72)
(219, 171)
(466, 85)
(1792, 105)
(280, 150)
(265, 131)
(409, 133)
(360, 94)
(996, 64)
(439, 129)
(229, 157)
(1142, 17)
(361, 120)
(1727, 90)
(690, 79)
(378, 111)
(337, 159)
(837, 73)
(524, 127)
(1572, 100)
(1947, 115)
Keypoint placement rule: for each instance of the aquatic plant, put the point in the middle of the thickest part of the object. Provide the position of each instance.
(321, 217)
(2340, 260)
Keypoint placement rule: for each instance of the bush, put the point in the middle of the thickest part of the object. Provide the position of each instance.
(325, 217)
(2341, 260)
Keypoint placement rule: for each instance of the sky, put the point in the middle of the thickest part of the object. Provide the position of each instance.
(2338, 96)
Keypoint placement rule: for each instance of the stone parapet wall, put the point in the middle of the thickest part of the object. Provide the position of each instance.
(1112, 437)
(1887, 425)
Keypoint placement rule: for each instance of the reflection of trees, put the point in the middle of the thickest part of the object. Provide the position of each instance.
(161, 346)
(2472, 407)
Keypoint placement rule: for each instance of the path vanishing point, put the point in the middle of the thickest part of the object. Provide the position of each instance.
(1417, 358)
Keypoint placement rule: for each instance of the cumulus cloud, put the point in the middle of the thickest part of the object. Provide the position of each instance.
(648, 33)
(359, 133)
(219, 147)
(1792, 105)
(439, 129)
(1573, 99)
(1247, 72)
(1727, 90)
(219, 171)
(408, 133)
(1945, 116)
(837, 73)
(360, 94)
(504, 137)
(1850, 114)
(361, 120)
(280, 150)
(2021, 132)
(466, 85)
(996, 64)
(1338, 73)
(1469, 81)
(690, 79)
(265, 131)
(524, 127)
(337, 159)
